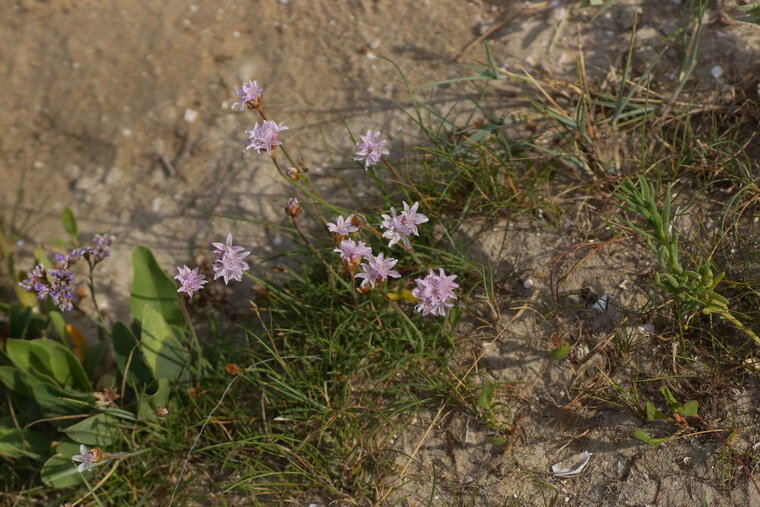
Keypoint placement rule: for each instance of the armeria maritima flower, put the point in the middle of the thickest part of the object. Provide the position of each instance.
(264, 137)
(400, 227)
(377, 270)
(250, 92)
(190, 280)
(434, 292)
(342, 226)
(371, 149)
(229, 263)
(352, 253)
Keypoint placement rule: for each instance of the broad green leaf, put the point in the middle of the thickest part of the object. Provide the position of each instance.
(55, 403)
(672, 401)
(149, 402)
(70, 224)
(688, 409)
(59, 324)
(66, 369)
(655, 415)
(485, 400)
(50, 358)
(163, 353)
(60, 471)
(94, 356)
(18, 381)
(561, 352)
(152, 287)
(640, 434)
(17, 442)
(128, 356)
(30, 357)
(99, 430)
(19, 321)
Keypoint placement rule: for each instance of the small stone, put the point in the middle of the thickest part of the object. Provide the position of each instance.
(716, 71)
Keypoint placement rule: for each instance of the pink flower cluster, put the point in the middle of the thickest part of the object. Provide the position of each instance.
(371, 149)
(229, 264)
(264, 137)
(434, 292)
(398, 228)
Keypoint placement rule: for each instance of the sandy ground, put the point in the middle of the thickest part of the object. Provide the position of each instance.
(121, 111)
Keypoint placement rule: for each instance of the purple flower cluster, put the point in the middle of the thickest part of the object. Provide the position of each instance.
(434, 292)
(352, 253)
(377, 270)
(398, 228)
(248, 94)
(60, 282)
(264, 137)
(371, 149)
(190, 280)
(229, 263)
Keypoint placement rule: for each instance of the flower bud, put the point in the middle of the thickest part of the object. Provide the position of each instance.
(293, 209)
(161, 412)
(293, 173)
(97, 455)
(233, 369)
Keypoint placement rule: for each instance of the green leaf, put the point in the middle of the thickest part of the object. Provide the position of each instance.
(688, 409)
(640, 434)
(55, 403)
(655, 415)
(69, 224)
(59, 324)
(51, 359)
(20, 443)
(99, 430)
(29, 356)
(485, 400)
(60, 471)
(497, 440)
(128, 356)
(152, 287)
(672, 401)
(561, 352)
(148, 404)
(18, 381)
(19, 321)
(753, 10)
(163, 353)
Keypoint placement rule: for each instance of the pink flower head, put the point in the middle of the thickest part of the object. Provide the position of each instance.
(86, 459)
(400, 227)
(377, 270)
(264, 137)
(352, 252)
(371, 149)
(342, 226)
(249, 93)
(190, 280)
(434, 292)
(229, 263)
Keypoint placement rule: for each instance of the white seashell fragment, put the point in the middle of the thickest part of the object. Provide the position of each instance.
(572, 465)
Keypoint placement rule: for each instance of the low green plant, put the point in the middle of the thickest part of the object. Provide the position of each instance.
(695, 288)
(61, 393)
(679, 413)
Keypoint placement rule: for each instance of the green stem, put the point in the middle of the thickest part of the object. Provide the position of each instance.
(196, 342)
(738, 325)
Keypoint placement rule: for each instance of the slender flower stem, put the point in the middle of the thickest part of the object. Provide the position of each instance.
(102, 332)
(196, 343)
(395, 305)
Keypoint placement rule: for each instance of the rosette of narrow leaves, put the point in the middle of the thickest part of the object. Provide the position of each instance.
(695, 288)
